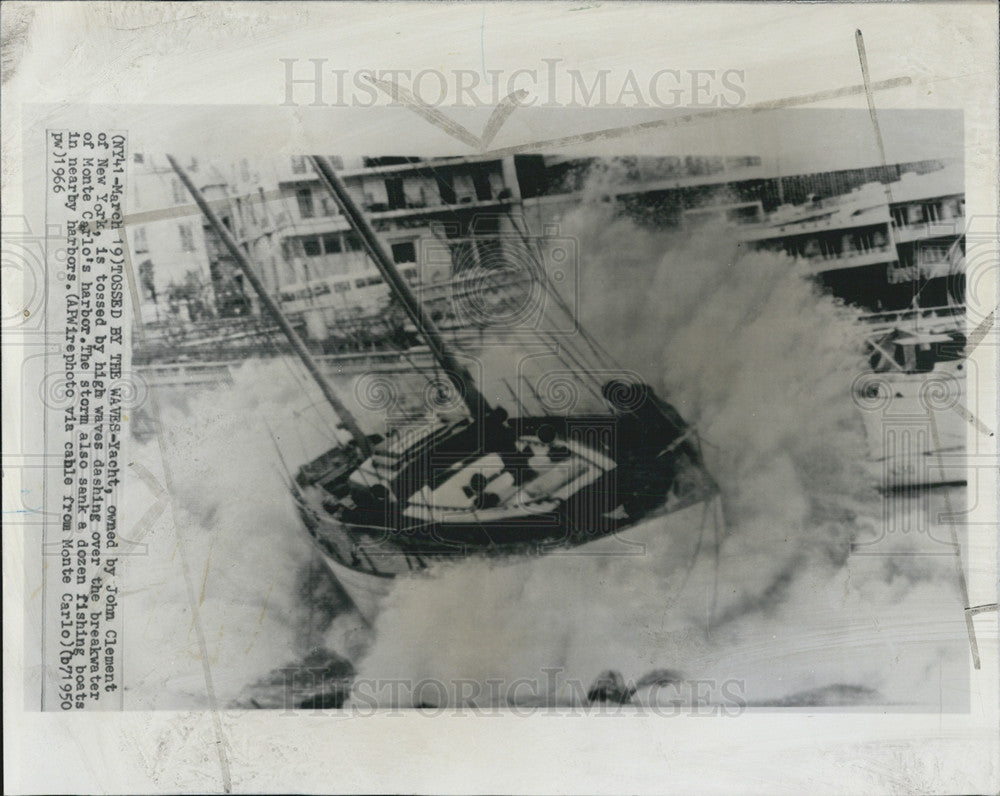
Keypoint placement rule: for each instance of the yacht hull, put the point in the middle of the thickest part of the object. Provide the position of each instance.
(677, 534)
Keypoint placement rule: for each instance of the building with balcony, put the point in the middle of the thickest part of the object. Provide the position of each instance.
(474, 209)
(408, 200)
(880, 246)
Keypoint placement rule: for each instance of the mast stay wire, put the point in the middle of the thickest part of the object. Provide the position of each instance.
(267, 332)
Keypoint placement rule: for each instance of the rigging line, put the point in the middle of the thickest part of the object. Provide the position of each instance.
(517, 401)
(324, 423)
(535, 253)
(915, 301)
(569, 348)
(428, 166)
(268, 334)
(956, 546)
(473, 399)
(274, 440)
(538, 398)
(332, 431)
(283, 199)
(715, 569)
(697, 550)
(403, 352)
(282, 356)
(347, 324)
(587, 379)
(435, 365)
(298, 432)
(354, 335)
(453, 283)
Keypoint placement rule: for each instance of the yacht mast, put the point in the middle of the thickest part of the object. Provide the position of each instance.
(458, 375)
(346, 419)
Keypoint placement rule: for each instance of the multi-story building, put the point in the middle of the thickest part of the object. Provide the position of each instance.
(473, 208)
(882, 247)
(182, 268)
(243, 198)
(168, 252)
(673, 191)
(437, 216)
(408, 200)
(459, 213)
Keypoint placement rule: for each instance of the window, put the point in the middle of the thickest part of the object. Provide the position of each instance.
(331, 244)
(147, 279)
(311, 247)
(305, 199)
(396, 197)
(927, 255)
(404, 252)
(298, 164)
(481, 182)
(359, 283)
(342, 287)
(446, 187)
(141, 245)
(351, 243)
(374, 280)
(179, 194)
(187, 237)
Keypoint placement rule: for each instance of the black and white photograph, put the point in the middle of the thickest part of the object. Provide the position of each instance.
(504, 401)
(555, 431)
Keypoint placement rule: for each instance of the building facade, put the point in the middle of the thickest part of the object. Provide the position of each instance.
(442, 216)
(882, 247)
(168, 250)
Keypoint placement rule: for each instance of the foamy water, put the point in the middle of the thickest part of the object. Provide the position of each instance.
(777, 603)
